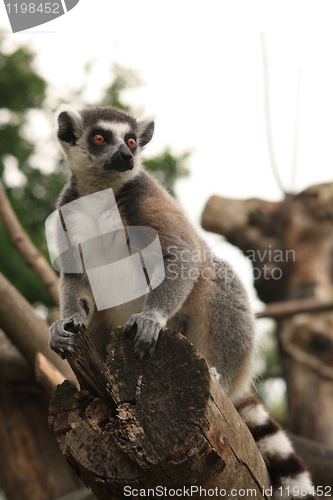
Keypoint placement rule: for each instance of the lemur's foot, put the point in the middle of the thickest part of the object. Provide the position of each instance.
(146, 335)
(63, 335)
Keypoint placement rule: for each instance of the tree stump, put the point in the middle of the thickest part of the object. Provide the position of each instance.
(161, 422)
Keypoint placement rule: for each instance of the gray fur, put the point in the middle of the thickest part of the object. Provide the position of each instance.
(201, 295)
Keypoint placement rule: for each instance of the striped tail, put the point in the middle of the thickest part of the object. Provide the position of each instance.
(288, 475)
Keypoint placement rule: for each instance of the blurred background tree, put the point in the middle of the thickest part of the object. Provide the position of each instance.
(33, 191)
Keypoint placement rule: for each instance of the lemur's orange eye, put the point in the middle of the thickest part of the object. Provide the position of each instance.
(131, 143)
(98, 139)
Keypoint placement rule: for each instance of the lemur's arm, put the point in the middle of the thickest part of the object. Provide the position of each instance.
(164, 301)
(76, 308)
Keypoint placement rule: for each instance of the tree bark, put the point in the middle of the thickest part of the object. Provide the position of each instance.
(26, 329)
(161, 421)
(291, 247)
(46, 374)
(285, 309)
(31, 464)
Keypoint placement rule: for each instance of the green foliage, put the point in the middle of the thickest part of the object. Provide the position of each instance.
(270, 390)
(124, 79)
(23, 89)
(167, 168)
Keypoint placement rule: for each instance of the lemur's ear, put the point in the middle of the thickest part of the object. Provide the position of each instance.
(69, 125)
(146, 128)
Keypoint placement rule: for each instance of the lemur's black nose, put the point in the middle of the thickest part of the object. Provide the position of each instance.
(125, 154)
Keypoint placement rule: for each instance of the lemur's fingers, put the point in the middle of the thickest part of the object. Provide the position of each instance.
(73, 324)
(131, 322)
(63, 335)
(146, 336)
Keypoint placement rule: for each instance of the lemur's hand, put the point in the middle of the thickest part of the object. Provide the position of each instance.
(148, 329)
(63, 335)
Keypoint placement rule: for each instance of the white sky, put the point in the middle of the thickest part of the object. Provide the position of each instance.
(202, 65)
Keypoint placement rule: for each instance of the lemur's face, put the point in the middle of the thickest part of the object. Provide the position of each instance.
(103, 138)
(112, 145)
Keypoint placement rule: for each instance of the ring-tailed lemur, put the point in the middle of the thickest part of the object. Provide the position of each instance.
(103, 147)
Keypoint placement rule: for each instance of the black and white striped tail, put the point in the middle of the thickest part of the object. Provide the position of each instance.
(288, 475)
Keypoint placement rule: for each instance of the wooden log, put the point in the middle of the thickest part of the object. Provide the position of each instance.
(287, 308)
(290, 245)
(26, 329)
(31, 464)
(47, 374)
(158, 422)
(255, 226)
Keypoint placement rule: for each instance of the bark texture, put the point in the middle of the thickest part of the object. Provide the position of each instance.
(291, 247)
(161, 421)
(31, 464)
(26, 329)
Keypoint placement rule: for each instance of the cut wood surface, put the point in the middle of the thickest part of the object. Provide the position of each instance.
(161, 421)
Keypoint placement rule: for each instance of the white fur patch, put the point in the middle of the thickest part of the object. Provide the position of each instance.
(120, 178)
(216, 374)
(158, 317)
(254, 415)
(70, 110)
(119, 129)
(301, 481)
(144, 122)
(278, 443)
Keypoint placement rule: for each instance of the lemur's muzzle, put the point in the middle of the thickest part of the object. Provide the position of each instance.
(122, 160)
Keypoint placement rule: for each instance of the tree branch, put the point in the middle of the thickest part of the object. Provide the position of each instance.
(25, 329)
(32, 256)
(296, 133)
(281, 310)
(268, 115)
(47, 374)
